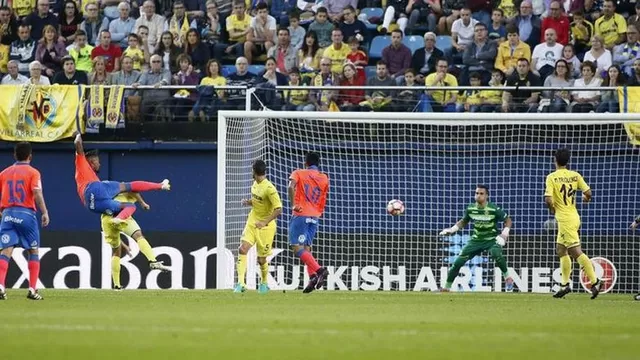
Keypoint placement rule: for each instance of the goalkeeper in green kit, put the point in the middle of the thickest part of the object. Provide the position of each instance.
(484, 236)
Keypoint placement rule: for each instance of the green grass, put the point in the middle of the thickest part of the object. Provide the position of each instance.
(145, 324)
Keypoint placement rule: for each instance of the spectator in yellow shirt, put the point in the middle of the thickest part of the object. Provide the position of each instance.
(511, 50)
(611, 26)
(442, 100)
(135, 53)
(337, 51)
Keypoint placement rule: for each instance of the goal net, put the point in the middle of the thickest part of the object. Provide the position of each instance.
(432, 162)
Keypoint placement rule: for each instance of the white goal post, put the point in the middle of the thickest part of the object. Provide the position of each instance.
(432, 162)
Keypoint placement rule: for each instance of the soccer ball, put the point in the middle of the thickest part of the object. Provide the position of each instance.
(395, 207)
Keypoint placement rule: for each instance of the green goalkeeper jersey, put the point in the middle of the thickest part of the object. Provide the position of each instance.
(485, 220)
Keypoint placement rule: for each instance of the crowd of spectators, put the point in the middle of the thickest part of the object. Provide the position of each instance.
(323, 43)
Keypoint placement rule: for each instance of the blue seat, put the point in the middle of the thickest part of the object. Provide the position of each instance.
(413, 42)
(228, 70)
(378, 43)
(256, 69)
(370, 72)
(443, 42)
(371, 13)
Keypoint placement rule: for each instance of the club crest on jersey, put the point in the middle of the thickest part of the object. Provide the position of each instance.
(108, 212)
(34, 244)
(5, 239)
(605, 271)
(301, 239)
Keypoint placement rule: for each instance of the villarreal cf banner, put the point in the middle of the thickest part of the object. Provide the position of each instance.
(40, 113)
(629, 98)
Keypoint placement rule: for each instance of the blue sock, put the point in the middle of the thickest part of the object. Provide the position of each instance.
(34, 257)
(300, 252)
(4, 258)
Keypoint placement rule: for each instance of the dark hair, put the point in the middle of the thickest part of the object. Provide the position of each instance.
(67, 58)
(498, 10)
(620, 79)
(312, 159)
(294, 15)
(134, 35)
(91, 153)
(188, 48)
(22, 151)
(567, 75)
(524, 59)
(259, 167)
(183, 57)
(294, 70)
(262, 6)
(80, 33)
(322, 9)
(282, 28)
(381, 62)
(475, 75)
(480, 25)
(588, 64)
(581, 13)
(562, 156)
(314, 48)
(350, 8)
(482, 186)
(512, 29)
(398, 31)
(410, 70)
(211, 61)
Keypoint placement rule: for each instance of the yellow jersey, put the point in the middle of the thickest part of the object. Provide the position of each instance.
(264, 200)
(562, 186)
(4, 58)
(23, 7)
(442, 96)
(135, 53)
(233, 23)
(82, 58)
(337, 56)
(610, 28)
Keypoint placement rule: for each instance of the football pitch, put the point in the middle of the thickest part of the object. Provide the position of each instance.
(190, 324)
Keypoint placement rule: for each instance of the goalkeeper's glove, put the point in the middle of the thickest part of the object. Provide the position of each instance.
(449, 231)
(502, 238)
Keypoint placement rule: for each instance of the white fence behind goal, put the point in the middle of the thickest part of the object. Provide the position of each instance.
(433, 163)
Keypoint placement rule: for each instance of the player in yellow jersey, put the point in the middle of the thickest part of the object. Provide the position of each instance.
(561, 187)
(131, 228)
(260, 229)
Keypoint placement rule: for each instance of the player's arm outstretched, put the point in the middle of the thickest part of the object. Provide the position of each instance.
(78, 143)
(461, 224)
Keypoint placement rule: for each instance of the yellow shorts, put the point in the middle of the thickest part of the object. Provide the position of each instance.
(261, 238)
(112, 232)
(568, 234)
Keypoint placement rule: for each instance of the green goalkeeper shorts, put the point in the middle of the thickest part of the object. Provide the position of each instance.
(475, 248)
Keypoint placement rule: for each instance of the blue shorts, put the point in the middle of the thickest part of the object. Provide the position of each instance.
(19, 228)
(302, 230)
(99, 197)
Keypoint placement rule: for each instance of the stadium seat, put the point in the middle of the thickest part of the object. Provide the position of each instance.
(378, 43)
(370, 72)
(256, 69)
(371, 13)
(413, 42)
(228, 70)
(443, 42)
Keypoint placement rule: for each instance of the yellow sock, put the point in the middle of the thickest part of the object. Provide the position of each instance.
(145, 249)
(115, 270)
(587, 266)
(565, 267)
(242, 268)
(264, 272)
